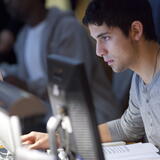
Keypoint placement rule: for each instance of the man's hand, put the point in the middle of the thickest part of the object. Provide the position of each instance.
(104, 133)
(36, 140)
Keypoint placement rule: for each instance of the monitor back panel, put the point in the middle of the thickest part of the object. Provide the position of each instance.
(69, 75)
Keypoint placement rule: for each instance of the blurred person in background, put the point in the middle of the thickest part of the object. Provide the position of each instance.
(55, 32)
(9, 28)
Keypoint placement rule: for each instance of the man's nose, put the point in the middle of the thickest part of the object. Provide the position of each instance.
(100, 50)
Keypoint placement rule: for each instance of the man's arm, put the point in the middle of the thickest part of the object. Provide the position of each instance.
(104, 132)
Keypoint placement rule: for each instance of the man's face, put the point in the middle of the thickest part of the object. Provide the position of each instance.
(116, 49)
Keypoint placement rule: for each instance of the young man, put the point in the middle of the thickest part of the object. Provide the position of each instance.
(125, 37)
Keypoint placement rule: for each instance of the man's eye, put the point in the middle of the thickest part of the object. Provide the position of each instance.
(106, 38)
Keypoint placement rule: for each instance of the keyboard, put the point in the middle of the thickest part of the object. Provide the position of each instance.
(5, 154)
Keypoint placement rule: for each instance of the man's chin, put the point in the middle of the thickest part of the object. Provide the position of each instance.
(117, 70)
(114, 69)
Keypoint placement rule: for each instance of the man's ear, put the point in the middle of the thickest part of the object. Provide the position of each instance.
(136, 30)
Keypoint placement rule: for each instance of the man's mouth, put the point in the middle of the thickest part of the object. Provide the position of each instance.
(109, 61)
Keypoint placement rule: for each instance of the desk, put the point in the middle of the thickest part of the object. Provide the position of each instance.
(136, 151)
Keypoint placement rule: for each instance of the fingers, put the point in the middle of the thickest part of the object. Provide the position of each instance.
(27, 137)
(29, 141)
(36, 145)
(35, 140)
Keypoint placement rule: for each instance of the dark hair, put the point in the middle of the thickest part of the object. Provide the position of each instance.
(121, 13)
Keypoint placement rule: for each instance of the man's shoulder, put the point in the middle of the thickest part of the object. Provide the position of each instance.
(65, 21)
(135, 80)
(62, 19)
(57, 13)
(135, 83)
(156, 83)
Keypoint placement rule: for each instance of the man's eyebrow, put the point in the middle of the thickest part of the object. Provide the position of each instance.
(102, 34)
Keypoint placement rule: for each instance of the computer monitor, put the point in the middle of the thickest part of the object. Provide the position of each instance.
(10, 140)
(10, 132)
(69, 90)
(19, 102)
(30, 109)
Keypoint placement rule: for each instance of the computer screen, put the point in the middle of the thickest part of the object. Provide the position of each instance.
(69, 90)
(29, 108)
(19, 102)
(10, 143)
(10, 131)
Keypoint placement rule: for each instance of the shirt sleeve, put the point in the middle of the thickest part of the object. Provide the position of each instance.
(130, 127)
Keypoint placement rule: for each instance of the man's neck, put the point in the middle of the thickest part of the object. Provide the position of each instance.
(37, 16)
(148, 62)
